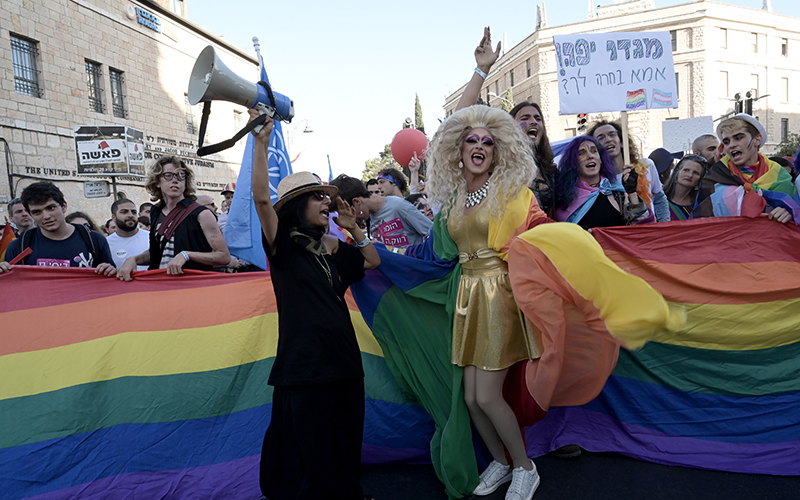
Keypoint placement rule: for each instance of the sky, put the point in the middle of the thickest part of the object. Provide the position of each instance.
(353, 68)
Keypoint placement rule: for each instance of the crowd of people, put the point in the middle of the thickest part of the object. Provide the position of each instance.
(188, 230)
(491, 174)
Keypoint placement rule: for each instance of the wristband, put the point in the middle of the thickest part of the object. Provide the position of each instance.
(363, 243)
(185, 255)
(478, 70)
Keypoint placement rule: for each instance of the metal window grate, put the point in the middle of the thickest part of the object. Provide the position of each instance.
(94, 81)
(26, 74)
(117, 95)
(187, 108)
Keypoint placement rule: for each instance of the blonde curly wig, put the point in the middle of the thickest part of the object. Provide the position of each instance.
(513, 166)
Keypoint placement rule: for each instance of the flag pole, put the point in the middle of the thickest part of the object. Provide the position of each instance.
(257, 47)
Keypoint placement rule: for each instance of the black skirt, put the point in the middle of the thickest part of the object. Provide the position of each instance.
(312, 448)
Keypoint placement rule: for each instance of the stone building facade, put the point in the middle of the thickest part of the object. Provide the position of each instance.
(70, 63)
(719, 50)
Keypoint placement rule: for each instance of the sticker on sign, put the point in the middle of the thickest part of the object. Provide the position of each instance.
(96, 189)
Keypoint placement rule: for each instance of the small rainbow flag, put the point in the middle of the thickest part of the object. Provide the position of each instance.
(635, 99)
(662, 99)
(5, 240)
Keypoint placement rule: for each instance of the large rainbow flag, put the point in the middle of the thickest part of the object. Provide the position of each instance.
(722, 393)
(157, 388)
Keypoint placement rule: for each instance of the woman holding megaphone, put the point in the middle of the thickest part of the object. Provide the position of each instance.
(312, 448)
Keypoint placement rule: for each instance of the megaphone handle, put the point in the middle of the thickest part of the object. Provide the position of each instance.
(264, 110)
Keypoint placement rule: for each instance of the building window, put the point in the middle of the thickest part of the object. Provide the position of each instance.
(187, 109)
(673, 36)
(512, 77)
(678, 86)
(754, 89)
(784, 90)
(785, 47)
(784, 129)
(177, 6)
(570, 132)
(528, 67)
(723, 38)
(723, 80)
(94, 80)
(26, 73)
(117, 93)
(754, 42)
(487, 97)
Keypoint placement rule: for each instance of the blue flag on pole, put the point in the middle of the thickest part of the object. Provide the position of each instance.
(243, 230)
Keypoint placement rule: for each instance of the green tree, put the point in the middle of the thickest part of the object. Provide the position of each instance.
(383, 160)
(508, 100)
(789, 146)
(418, 123)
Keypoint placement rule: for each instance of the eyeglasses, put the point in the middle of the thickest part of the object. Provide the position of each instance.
(168, 176)
(319, 195)
(474, 139)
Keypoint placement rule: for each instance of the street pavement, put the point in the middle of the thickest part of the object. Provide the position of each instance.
(597, 476)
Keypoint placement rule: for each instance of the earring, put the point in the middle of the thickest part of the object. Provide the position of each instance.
(460, 164)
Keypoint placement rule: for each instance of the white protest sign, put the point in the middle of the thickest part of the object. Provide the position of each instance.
(678, 135)
(624, 71)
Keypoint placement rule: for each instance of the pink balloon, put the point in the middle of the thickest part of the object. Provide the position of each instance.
(406, 142)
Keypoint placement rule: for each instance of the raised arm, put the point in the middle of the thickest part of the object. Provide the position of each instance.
(261, 192)
(484, 59)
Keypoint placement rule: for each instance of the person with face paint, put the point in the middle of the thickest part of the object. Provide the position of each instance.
(528, 116)
(590, 194)
(744, 182)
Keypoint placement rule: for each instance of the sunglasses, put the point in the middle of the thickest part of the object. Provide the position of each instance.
(695, 158)
(319, 195)
(168, 176)
(474, 139)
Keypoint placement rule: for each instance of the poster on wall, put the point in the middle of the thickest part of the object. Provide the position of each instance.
(623, 71)
(109, 150)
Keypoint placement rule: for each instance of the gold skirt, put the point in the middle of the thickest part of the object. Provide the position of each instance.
(489, 331)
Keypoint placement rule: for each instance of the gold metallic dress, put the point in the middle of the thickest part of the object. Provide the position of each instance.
(489, 331)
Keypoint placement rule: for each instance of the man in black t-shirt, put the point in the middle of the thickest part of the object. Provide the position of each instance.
(56, 243)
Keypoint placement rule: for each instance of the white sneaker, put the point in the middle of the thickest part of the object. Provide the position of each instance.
(524, 484)
(491, 479)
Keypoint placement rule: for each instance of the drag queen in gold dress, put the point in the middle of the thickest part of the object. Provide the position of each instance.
(480, 165)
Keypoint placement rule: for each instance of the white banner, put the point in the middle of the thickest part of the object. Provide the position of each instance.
(624, 71)
(101, 151)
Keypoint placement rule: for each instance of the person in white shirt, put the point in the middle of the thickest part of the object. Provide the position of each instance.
(129, 240)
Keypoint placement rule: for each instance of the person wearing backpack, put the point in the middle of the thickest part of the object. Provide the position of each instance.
(55, 242)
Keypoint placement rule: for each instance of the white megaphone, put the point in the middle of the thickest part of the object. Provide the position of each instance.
(211, 80)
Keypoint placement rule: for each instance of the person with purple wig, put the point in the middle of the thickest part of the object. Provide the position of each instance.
(588, 192)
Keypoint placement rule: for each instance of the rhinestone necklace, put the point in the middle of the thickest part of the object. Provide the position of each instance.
(478, 196)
